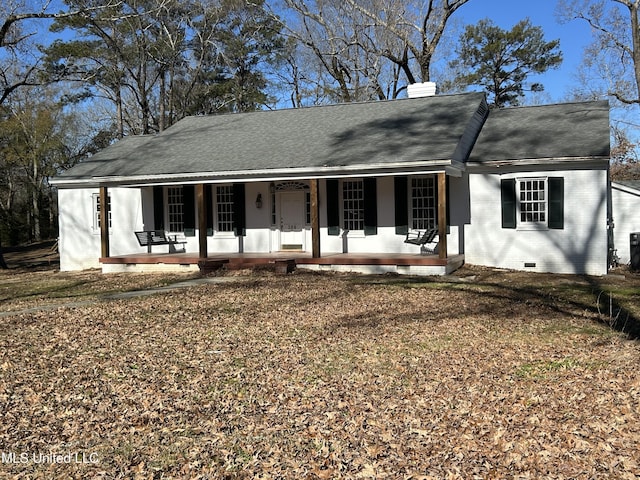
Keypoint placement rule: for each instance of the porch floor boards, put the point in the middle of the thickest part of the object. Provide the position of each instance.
(300, 258)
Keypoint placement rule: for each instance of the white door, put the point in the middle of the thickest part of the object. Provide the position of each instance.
(292, 220)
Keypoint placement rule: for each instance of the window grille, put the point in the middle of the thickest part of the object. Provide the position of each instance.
(96, 211)
(533, 203)
(424, 204)
(175, 206)
(353, 205)
(224, 201)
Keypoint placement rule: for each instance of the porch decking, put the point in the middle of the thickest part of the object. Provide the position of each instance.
(413, 264)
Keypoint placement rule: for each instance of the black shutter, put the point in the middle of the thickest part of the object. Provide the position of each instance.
(208, 200)
(239, 210)
(158, 208)
(333, 207)
(401, 205)
(189, 210)
(370, 206)
(556, 202)
(508, 200)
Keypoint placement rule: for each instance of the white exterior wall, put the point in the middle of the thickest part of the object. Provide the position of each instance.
(386, 240)
(625, 203)
(132, 210)
(581, 247)
(262, 237)
(79, 242)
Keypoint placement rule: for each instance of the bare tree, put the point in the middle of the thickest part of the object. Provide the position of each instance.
(19, 67)
(20, 61)
(329, 31)
(614, 54)
(372, 48)
(414, 30)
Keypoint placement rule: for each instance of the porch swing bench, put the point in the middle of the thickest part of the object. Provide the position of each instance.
(422, 238)
(148, 238)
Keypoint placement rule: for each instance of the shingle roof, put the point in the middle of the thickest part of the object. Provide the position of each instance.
(344, 135)
(374, 135)
(567, 130)
(634, 184)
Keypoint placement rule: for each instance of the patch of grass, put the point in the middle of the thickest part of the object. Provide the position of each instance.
(545, 369)
(31, 289)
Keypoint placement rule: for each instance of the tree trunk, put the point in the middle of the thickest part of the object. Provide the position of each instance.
(119, 112)
(35, 206)
(3, 264)
(635, 35)
(35, 201)
(161, 101)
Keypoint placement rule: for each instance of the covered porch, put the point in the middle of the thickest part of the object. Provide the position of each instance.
(283, 262)
(386, 194)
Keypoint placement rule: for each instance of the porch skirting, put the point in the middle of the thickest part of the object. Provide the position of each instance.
(372, 263)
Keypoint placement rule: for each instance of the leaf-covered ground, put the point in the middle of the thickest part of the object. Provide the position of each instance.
(322, 376)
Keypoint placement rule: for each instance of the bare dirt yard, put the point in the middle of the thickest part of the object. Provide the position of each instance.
(485, 374)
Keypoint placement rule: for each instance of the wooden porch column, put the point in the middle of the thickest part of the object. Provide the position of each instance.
(442, 215)
(315, 219)
(104, 222)
(202, 220)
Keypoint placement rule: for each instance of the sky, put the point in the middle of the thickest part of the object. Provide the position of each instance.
(574, 36)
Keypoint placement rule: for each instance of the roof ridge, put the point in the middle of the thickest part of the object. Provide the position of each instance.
(330, 105)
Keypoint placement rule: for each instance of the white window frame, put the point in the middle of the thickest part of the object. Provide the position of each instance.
(423, 198)
(224, 210)
(352, 202)
(96, 212)
(175, 209)
(535, 208)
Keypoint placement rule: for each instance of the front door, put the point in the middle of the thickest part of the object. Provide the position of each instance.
(292, 220)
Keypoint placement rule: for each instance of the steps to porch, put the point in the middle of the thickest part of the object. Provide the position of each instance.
(286, 262)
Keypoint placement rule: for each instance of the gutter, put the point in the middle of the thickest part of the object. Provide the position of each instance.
(626, 188)
(451, 167)
(536, 161)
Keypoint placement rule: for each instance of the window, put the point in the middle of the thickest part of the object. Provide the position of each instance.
(353, 205)
(97, 213)
(175, 206)
(424, 203)
(224, 202)
(354, 209)
(532, 202)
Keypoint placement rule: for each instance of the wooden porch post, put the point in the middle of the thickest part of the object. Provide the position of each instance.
(315, 220)
(202, 220)
(104, 222)
(442, 215)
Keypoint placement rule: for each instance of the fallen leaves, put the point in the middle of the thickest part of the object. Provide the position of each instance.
(312, 376)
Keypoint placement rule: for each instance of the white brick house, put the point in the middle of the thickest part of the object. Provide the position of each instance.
(522, 188)
(625, 203)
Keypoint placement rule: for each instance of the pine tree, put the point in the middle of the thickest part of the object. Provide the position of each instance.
(501, 60)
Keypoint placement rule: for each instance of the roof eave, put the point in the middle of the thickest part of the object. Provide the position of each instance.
(538, 161)
(626, 188)
(451, 167)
